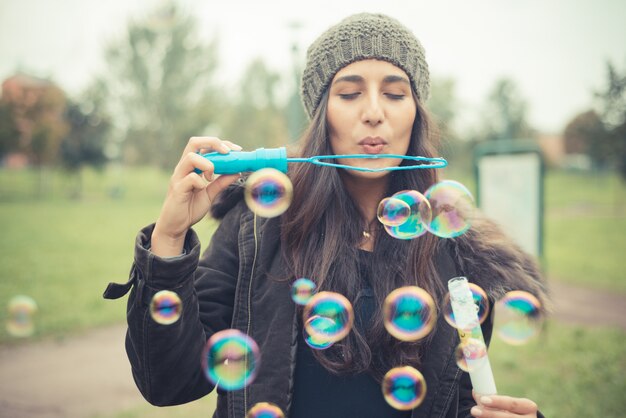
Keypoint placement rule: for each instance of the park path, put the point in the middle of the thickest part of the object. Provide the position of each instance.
(88, 374)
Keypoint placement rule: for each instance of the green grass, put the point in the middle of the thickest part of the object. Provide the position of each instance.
(584, 227)
(569, 371)
(64, 252)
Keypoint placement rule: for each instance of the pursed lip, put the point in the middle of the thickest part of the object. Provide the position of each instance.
(372, 145)
(373, 141)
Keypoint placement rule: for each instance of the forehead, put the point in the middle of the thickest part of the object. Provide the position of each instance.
(371, 68)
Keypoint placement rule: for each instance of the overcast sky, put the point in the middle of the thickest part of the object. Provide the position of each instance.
(556, 50)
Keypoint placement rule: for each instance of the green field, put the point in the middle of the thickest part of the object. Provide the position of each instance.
(63, 252)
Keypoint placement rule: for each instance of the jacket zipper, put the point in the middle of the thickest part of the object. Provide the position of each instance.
(256, 246)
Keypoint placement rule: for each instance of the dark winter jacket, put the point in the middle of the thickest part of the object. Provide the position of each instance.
(230, 287)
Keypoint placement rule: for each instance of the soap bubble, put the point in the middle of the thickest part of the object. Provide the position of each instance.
(231, 359)
(404, 388)
(452, 209)
(393, 212)
(302, 290)
(480, 300)
(165, 307)
(518, 317)
(414, 226)
(268, 192)
(409, 313)
(471, 354)
(21, 310)
(320, 324)
(265, 410)
(328, 316)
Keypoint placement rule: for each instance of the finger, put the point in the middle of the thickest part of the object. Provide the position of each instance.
(197, 143)
(233, 146)
(189, 163)
(190, 183)
(508, 403)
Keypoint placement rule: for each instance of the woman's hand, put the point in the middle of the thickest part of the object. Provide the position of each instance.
(190, 195)
(498, 406)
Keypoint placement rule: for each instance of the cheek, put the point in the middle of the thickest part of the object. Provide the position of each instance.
(405, 124)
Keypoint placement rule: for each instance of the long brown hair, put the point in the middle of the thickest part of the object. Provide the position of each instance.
(321, 232)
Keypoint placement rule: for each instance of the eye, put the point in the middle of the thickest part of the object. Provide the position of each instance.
(349, 96)
(395, 96)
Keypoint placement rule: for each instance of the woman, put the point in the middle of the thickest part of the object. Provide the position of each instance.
(364, 86)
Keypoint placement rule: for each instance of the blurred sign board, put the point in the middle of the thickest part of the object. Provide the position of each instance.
(509, 183)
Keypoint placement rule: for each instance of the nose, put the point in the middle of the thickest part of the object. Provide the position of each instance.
(373, 113)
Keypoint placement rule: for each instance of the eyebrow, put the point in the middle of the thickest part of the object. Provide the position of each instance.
(358, 79)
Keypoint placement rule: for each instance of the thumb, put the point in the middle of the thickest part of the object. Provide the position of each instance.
(219, 184)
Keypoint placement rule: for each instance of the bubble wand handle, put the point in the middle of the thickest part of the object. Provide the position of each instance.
(468, 325)
(245, 161)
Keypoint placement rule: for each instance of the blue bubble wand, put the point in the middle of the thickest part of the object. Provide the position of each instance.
(244, 161)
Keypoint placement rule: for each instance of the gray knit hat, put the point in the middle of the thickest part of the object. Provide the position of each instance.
(358, 37)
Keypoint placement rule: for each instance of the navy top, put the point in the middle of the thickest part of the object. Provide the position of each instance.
(319, 393)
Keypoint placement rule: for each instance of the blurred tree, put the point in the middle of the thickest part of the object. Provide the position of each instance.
(36, 107)
(85, 143)
(586, 134)
(297, 119)
(443, 106)
(160, 84)
(505, 114)
(9, 134)
(255, 119)
(612, 108)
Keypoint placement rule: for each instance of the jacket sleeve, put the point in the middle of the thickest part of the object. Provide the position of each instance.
(166, 359)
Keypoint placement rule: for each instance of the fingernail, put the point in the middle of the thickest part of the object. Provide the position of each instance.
(476, 411)
(486, 400)
(237, 147)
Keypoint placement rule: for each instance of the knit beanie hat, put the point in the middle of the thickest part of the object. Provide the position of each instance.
(359, 37)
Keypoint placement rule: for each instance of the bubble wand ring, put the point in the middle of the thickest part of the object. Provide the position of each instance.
(433, 162)
(244, 161)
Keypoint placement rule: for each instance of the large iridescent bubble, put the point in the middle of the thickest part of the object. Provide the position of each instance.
(409, 313)
(265, 410)
(453, 208)
(518, 317)
(268, 192)
(480, 300)
(21, 311)
(231, 359)
(328, 316)
(165, 307)
(404, 388)
(420, 216)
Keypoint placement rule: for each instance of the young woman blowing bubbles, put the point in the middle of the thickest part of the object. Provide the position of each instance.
(364, 87)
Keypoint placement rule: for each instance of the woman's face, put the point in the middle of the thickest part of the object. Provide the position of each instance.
(371, 110)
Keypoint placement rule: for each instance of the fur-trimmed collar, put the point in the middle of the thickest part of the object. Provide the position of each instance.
(489, 258)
